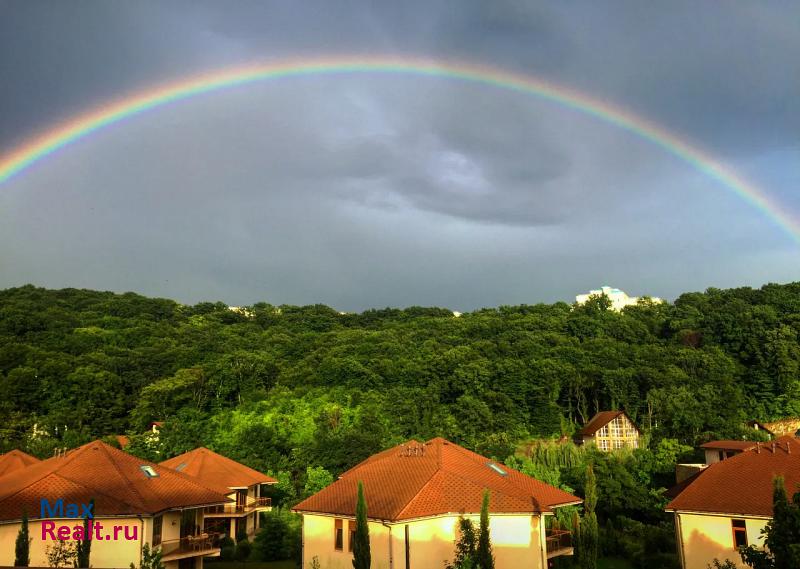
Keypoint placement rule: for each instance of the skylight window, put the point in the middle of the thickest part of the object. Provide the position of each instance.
(497, 469)
(149, 471)
(180, 467)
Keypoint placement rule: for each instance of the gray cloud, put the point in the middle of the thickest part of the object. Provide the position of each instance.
(370, 190)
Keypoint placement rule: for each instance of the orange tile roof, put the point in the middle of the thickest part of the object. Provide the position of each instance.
(217, 470)
(599, 421)
(15, 460)
(743, 484)
(110, 476)
(729, 445)
(415, 480)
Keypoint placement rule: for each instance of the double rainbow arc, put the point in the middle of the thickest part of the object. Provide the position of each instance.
(97, 119)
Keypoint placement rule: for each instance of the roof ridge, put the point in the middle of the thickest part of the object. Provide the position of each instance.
(130, 485)
(421, 488)
(46, 472)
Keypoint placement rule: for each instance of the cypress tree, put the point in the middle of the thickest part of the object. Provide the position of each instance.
(361, 553)
(84, 547)
(589, 531)
(484, 555)
(23, 544)
(576, 538)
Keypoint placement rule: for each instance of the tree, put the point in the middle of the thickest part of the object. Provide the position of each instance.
(83, 548)
(23, 544)
(781, 534)
(361, 553)
(60, 554)
(588, 529)
(151, 558)
(466, 546)
(483, 554)
(317, 478)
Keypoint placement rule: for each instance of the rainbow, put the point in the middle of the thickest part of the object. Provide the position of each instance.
(82, 126)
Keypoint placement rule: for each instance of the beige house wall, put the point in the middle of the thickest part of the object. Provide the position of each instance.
(517, 541)
(106, 553)
(705, 537)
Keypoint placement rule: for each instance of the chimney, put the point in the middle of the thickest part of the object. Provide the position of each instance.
(758, 447)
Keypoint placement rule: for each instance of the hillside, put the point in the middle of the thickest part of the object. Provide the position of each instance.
(286, 387)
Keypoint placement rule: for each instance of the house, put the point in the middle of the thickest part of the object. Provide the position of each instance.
(135, 503)
(788, 426)
(244, 486)
(717, 451)
(415, 493)
(15, 460)
(726, 505)
(609, 430)
(618, 298)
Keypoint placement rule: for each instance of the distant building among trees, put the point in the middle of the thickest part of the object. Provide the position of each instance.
(609, 430)
(619, 299)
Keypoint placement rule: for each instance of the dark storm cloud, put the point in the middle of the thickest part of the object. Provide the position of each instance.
(366, 190)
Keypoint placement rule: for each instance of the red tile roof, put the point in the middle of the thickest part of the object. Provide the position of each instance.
(15, 460)
(599, 421)
(217, 470)
(729, 445)
(743, 484)
(414, 480)
(112, 477)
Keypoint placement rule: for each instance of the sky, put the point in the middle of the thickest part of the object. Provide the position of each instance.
(370, 190)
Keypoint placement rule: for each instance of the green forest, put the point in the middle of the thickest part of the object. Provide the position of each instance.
(305, 392)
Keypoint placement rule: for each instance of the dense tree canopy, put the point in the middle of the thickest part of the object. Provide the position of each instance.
(285, 388)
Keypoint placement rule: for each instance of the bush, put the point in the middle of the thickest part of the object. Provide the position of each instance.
(279, 537)
(243, 550)
(227, 549)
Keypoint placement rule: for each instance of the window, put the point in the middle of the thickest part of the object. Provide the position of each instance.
(158, 522)
(721, 455)
(148, 470)
(739, 528)
(619, 443)
(603, 432)
(338, 535)
(497, 469)
(602, 444)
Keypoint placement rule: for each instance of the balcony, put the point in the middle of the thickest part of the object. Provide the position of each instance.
(229, 510)
(190, 546)
(558, 542)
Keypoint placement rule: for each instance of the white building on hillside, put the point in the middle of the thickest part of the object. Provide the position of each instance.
(619, 298)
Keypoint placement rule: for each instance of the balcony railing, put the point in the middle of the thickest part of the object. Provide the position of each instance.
(558, 542)
(200, 544)
(232, 509)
